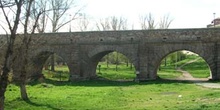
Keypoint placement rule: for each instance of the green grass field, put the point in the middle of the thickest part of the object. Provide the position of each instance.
(112, 95)
(53, 94)
(123, 72)
(198, 69)
(61, 73)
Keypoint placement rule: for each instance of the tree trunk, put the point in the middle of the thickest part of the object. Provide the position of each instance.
(0, 71)
(4, 80)
(52, 63)
(23, 91)
(107, 60)
(3, 83)
(46, 67)
(2, 103)
(116, 62)
(22, 82)
(23, 54)
(4, 76)
(127, 62)
(165, 61)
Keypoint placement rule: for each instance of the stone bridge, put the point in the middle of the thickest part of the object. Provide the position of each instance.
(145, 48)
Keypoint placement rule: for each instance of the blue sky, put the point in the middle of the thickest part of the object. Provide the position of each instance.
(186, 13)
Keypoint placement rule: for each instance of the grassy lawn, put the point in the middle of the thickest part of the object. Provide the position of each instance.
(111, 95)
(198, 69)
(167, 72)
(61, 73)
(110, 73)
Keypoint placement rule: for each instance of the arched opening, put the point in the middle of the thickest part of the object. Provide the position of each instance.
(52, 66)
(184, 65)
(113, 65)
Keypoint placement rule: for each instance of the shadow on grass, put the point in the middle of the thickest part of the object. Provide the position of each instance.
(40, 105)
(105, 82)
(33, 104)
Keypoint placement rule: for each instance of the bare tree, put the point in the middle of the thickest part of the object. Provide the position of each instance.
(24, 8)
(29, 29)
(83, 23)
(112, 23)
(147, 22)
(118, 23)
(59, 9)
(165, 22)
(9, 52)
(103, 24)
(41, 6)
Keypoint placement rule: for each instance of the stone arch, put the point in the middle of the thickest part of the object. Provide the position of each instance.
(38, 59)
(97, 58)
(96, 54)
(203, 51)
(93, 57)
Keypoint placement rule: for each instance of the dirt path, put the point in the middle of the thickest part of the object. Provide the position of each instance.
(198, 81)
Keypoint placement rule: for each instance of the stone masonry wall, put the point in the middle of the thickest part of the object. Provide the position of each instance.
(146, 48)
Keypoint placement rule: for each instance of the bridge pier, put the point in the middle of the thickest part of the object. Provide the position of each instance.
(146, 67)
(146, 74)
(83, 71)
(216, 71)
(35, 72)
(74, 70)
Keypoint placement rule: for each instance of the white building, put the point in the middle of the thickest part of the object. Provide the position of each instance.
(214, 23)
